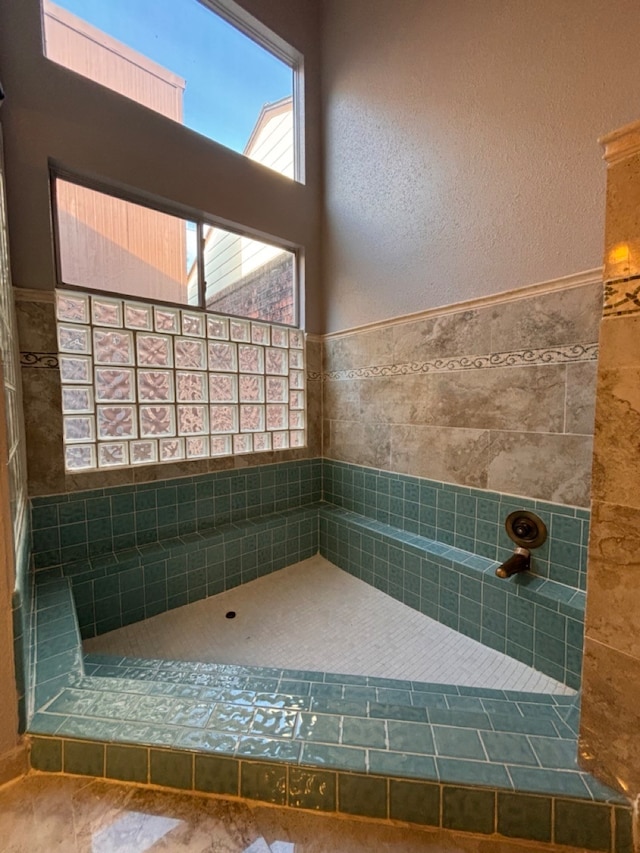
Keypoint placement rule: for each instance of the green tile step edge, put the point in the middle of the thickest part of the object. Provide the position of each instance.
(478, 809)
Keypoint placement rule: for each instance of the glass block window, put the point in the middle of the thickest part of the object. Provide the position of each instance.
(143, 383)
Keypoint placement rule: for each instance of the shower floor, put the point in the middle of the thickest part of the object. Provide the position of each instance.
(315, 616)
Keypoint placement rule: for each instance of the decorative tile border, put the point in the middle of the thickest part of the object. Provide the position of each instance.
(622, 297)
(47, 360)
(517, 358)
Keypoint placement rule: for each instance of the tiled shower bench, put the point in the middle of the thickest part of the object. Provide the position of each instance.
(469, 759)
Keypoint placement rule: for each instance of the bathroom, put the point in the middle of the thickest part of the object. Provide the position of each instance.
(487, 189)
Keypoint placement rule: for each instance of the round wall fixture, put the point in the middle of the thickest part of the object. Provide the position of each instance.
(526, 529)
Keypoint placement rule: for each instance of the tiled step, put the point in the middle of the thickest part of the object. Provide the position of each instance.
(335, 743)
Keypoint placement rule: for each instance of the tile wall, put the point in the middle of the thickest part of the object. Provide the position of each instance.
(498, 397)
(609, 728)
(43, 413)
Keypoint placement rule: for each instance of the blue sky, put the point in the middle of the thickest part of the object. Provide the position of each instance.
(229, 77)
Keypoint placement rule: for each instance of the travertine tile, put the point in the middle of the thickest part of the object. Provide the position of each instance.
(361, 349)
(359, 443)
(498, 398)
(550, 467)
(614, 567)
(43, 426)
(458, 333)
(36, 326)
(552, 319)
(342, 399)
(616, 464)
(396, 399)
(453, 455)
(580, 403)
(620, 342)
(609, 745)
(622, 219)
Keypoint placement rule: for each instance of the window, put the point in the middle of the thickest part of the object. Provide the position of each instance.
(184, 348)
(117, 246)
(192, 65)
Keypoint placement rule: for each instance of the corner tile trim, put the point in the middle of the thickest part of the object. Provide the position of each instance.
(517, 358)
(622, 297)
(39, 359)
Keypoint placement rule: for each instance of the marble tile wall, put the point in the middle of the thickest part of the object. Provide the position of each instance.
(42, 405)
(609, 742)
(497, 397)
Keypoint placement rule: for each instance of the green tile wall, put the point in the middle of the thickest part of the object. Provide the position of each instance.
(469, 519)
(76, 526)
(537, 621)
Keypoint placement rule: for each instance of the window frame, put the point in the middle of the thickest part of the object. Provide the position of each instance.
(58, 172)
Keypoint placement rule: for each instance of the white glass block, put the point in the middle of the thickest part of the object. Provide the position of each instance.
(155, 385)
(74, 339)
(277, 390)
(157, 421)
(137, 316)
(279, 337)
(79, 428)
(223, 418)
(296, 339)
(251, 389)
(191, 387)
(242, 443)
(240, 330)
(296, 379)
(167, 320)
(80, 457)
(72, 307)
(171, 449)
(218, 327)
(296, 420)
(115, 384)
(277, 417)
(277, 362)
(220, 445)
(250, 359)
(296, 438)
(75, 369)
(143, 452)
(260, 334)
(112, 347)
(296, 359)
(193, 324)
(296, 400)
(262, 441)
(197, 446)
(154, 351)
(192, 420)
(223, 388)
(280, 440)
(223, 357)
(79, 400)
(252, 418)
(190, 354)
(117, 422)
(106, 312)
(114, 453)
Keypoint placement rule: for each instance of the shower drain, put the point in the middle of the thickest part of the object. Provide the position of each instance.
(231, 614)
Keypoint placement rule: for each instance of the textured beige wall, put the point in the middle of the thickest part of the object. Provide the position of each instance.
(499, 396)
(460, 143)
(609, 741)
